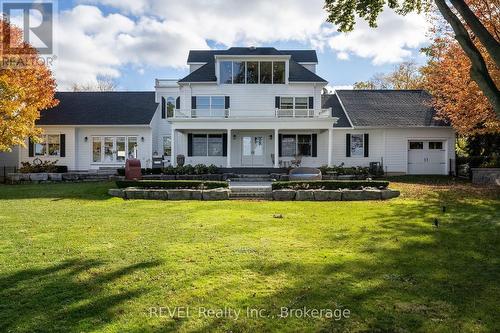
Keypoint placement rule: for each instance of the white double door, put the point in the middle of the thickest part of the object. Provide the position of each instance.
(253, 149)
(426, 157)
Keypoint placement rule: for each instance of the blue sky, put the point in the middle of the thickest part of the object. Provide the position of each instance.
(136, 41)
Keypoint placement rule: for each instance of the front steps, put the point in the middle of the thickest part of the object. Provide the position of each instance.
(251, 186)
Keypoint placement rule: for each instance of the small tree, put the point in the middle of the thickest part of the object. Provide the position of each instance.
(26, 87)
(343, 13)
(404, 76)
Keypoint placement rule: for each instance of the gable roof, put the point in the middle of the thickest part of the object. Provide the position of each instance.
(332, 101)
(101, 108)
(389, 108)
(297, 72)
(204, 56)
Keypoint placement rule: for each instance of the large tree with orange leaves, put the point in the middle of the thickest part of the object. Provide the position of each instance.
(26, 87)
(457, 97)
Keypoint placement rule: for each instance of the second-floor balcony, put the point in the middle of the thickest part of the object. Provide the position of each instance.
(228, 113)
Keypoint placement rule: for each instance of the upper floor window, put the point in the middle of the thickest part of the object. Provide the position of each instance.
(210, 102)
(252, 72)
(294, 103)
(170, 107)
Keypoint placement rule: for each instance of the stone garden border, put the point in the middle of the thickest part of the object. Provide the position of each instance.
(277, 195)
(334, 195)
(170, 194)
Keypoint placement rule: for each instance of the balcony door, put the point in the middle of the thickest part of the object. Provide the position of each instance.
(253, 150)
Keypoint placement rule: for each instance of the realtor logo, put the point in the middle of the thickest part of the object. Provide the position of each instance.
(36, 19)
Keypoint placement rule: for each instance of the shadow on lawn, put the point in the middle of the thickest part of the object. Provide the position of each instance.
(82, 191)
(414, 276)
(68, 297)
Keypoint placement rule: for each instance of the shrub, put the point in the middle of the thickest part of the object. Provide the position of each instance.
(212, 169)
(120, 172)
(39, 167)
(200, 169)
(171, 184)
(341, 170)
(329, 184)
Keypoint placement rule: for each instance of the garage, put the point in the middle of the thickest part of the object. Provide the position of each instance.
(426, 157)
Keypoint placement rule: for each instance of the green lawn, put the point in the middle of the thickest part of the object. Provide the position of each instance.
(73, 259)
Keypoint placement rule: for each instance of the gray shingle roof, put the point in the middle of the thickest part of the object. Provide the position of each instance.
(101, 108)
(208, 55)
(297, 72)
(389, 108)
(332, 101)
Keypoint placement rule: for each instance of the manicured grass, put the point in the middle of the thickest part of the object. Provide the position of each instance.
(72, 259)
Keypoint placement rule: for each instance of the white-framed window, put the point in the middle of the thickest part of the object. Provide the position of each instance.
(210, 102)
(113, 149)
(252, 72)
(207, 145)
(357, 145)
(287, 102)
(436, 145)
(296, 144)
(49, 146)
(170, 107)
(167, 145)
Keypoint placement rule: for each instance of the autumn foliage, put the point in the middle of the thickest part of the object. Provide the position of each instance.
(457, 97)
(26, 87)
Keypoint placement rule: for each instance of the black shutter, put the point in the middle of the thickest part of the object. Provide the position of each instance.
(193, 102)
(366, 145)
(277, 102)
(224, 144)
(311, 103)
(348, 145)
(62, 141)
(227, 103)
(190, 144)
(31, 148)
(178, 103)
(279, 144)
(163, 108)
(315, 145)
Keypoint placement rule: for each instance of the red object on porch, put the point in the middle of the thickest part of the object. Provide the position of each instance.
(133, 169)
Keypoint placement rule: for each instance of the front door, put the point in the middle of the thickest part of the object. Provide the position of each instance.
(253, 150)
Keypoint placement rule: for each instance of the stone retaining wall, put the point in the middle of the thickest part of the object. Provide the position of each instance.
(486, 176)
(20, 178)
(334, 195)
(278, 195)
(161, 194)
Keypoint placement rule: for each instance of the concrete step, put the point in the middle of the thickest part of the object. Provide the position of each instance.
(254, 180)
(251, 195)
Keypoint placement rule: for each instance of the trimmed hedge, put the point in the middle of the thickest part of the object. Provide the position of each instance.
(171, 184)
(329, 184)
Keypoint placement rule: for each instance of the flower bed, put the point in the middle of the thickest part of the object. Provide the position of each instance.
(171, 184)
(330, 184)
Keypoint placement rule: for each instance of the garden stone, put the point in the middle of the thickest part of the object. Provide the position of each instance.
(134, 193)
(372, 194)
(352, 195)
(116, 192)
(389, 194)
(157, 194)
(305, 195)
(196, 194)
(55, 177)
(284, 195)
(216, 194)
(39, 176)
(179, 195)
(327, 195)
(70, 176)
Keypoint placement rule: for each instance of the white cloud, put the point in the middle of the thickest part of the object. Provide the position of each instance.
(160, 33)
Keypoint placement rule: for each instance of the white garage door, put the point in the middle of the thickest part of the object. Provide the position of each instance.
(426, 157)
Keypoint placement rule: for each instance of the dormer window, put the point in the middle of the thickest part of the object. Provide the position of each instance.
(252, 72)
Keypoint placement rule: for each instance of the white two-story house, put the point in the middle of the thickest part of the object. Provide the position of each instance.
(247, 108)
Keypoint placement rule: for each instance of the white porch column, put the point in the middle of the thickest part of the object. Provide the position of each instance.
(330, 147)
(276, 148)
(173, 158)
(229, 140)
